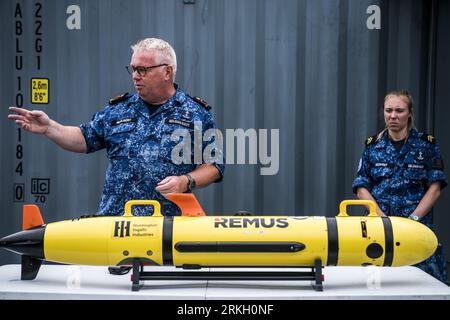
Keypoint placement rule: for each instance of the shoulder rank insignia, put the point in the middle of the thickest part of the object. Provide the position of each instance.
(428, 137)
(371, 140)
(118, 99)
(202, 102)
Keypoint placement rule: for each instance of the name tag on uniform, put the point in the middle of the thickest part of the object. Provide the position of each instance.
(382, 164)
(415, 166)
(185, 124)
(122, 121)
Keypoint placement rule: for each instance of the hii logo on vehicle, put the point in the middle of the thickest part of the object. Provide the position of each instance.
(247, 222)
(123, 227)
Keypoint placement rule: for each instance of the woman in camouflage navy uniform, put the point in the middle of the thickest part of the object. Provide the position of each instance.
(402, 170)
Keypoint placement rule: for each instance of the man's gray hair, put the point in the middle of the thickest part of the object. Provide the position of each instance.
(166, 52)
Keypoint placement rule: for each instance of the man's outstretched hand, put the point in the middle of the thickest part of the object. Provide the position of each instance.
(35, 121)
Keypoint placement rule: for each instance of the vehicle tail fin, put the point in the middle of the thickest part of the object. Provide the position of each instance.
(30, 268)
(188, 204)
(31, 217)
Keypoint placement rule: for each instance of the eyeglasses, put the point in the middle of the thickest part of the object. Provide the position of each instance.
(142, 71)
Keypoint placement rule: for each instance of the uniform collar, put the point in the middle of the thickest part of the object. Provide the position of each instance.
(383, 142)
(413, 137)
(177, 99)
(142, 107)
(411, 141)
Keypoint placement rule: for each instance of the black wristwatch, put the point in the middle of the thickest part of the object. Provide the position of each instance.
(191, 183)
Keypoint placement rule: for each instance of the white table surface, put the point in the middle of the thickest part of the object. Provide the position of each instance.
(86, 282)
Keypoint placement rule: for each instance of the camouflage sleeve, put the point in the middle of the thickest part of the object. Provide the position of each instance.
(435, 170)
(363, 178)
(93, 132)
(212, 146)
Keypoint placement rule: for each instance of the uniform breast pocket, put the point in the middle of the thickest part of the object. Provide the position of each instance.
(119, 139)
(415, 172)
(379, 173)
(177, 144)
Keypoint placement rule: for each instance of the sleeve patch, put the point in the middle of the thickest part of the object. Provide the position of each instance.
(437, 164)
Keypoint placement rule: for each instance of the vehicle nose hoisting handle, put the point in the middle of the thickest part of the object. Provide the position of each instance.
(156, 207)
(371, 204)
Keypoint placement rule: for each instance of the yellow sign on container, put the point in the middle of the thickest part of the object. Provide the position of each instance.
(40, 90)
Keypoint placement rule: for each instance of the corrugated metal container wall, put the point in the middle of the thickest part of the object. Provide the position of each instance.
(312, 69)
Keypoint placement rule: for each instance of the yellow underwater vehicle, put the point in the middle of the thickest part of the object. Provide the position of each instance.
(195, 240)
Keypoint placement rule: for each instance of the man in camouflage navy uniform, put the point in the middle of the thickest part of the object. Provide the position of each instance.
(402, 170)
(136, 130)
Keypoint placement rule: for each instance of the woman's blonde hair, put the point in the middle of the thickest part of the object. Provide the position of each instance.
(409, 102)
